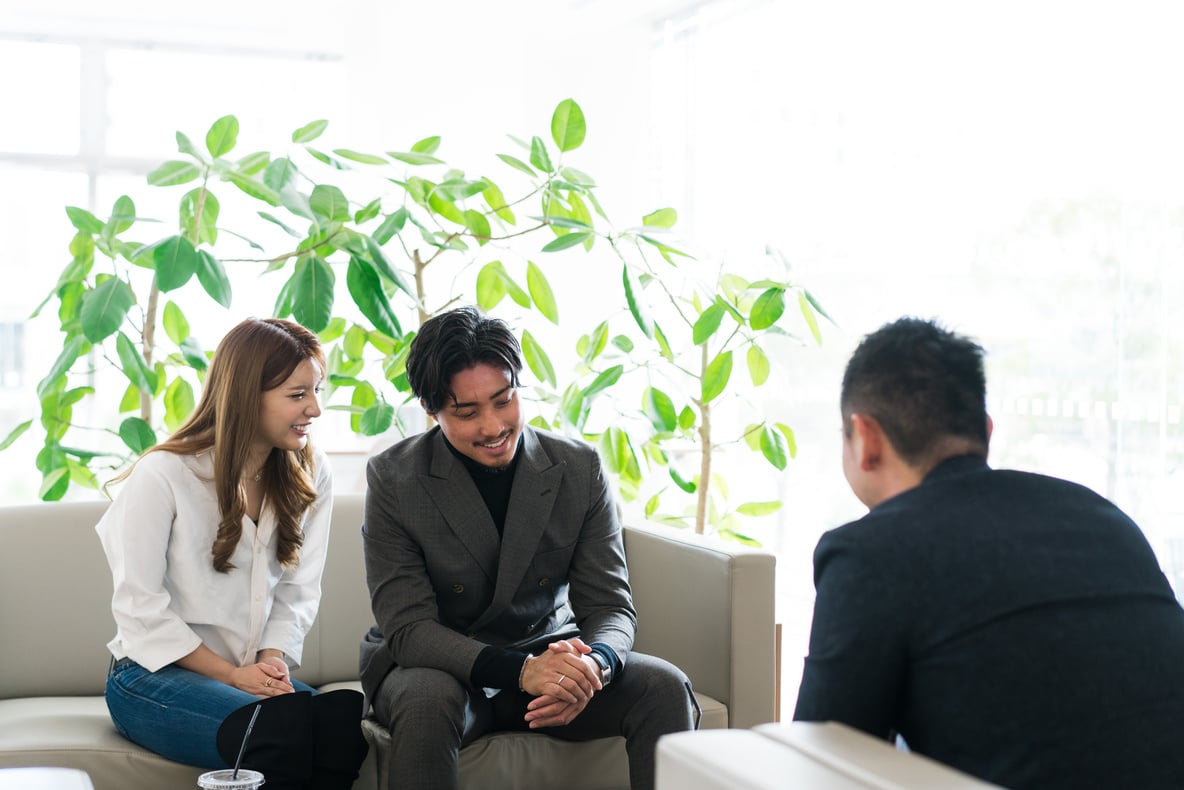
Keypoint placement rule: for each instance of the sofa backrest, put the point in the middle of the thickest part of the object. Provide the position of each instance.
(55, 601)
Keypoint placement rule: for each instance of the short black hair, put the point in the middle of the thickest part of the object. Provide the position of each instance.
(454, 341)
(922, 383)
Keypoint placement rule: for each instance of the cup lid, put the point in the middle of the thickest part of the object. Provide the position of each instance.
(222, 779)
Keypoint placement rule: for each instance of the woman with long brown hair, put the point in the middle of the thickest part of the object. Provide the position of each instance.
(216, 544)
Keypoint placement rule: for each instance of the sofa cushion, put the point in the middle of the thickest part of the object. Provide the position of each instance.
(76, 732)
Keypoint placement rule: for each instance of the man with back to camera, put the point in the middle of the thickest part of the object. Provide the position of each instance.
(1014, 626)
(497, 576)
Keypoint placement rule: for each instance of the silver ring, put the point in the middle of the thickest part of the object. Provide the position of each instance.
(562, 678)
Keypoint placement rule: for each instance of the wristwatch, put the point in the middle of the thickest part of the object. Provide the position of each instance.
(606, 669)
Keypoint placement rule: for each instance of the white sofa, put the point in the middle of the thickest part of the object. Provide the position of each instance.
(814, 755)
(705, 605)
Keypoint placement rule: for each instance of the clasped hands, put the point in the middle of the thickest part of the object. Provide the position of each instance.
(267, 677)
(562, 680)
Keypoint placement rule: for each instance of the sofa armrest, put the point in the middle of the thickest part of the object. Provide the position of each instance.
(707, 606)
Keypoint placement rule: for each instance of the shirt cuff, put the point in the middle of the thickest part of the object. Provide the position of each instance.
(608, 654)
(497, 668)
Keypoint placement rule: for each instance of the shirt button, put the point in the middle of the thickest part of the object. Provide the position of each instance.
(458, 588)
(543, 582)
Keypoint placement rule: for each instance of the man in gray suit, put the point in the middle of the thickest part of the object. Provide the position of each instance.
(497, 576)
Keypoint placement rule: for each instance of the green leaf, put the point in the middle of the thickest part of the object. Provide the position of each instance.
(541, 293)
(659, 408)
(663, 344)
(15, 434)
(137, 435)
(363, 398)
(368, 211)
(84, 221)
(539, 156)
(312, 296)
(213, 279)
(328, 202)
(808, 314)
(662, 218)
(566, 222)
(651, 505)
(686, 485)
(567, 240)
(759, 508)
(134, 366)
(223, 135)
(256, 189)
(637, 306)
(537, 359)
(497, 202)
(603, 381)
(593, 345)
(478, 225)
(310, 131)
(103, 309)
(568, 126)
(334, 330)
(414, 158)
(123, 215)
(178, 403)
(707, 322)
(176, 326)
(359, 156)
(428, 145)
(758, 365)
(175, 261)
(54, 486)
(491, 285)
(790, 441)
(204, 201)
(354, 344)
(385, 269)
(192, 352)
(279, 174)
(459, 188)
(70, 352)
(686, 418)
(376, 419)
(173, 172)
(773, 447)
(517, 164)
(391, 226)
(130, 400)
(715, 378)
(186, 146)
(445, 208)
(253, 163)
(767, 308)
(366, 290)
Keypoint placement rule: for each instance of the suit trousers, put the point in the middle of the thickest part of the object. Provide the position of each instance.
(431, 716)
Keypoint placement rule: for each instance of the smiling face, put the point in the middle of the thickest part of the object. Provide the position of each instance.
(287, 411)
(484, 420)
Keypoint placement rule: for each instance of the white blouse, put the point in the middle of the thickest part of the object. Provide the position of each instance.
(168, 598)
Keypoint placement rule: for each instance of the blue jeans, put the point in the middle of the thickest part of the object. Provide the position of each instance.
(174, 712)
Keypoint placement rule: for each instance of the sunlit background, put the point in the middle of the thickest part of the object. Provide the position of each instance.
(1012, 169)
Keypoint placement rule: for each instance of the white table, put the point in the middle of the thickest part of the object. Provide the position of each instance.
(44, 779)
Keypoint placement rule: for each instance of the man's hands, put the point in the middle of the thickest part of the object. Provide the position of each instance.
(562, 681)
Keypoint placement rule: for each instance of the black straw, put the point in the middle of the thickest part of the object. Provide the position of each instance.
(243, 747)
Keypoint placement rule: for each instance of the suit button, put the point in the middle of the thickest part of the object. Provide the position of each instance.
(543, 582)
(458, 588)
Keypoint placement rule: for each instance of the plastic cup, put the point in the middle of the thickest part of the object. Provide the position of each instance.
(223, 780)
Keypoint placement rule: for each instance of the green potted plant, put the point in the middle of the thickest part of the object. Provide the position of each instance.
(359, 270)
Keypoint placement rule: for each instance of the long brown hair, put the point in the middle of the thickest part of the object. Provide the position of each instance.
(257, 355)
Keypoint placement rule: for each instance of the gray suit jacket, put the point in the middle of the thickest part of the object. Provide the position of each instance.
(442, 585)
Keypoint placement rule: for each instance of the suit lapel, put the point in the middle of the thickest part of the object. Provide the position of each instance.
(456, 497)
(536, 486)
